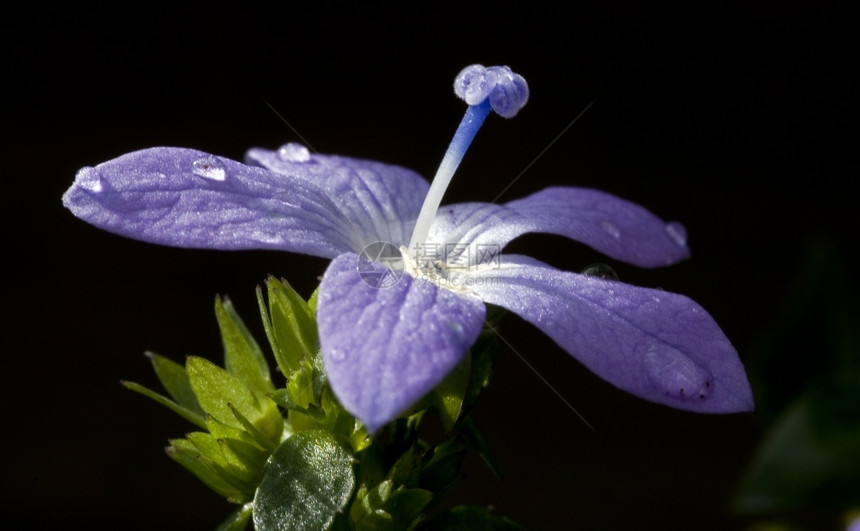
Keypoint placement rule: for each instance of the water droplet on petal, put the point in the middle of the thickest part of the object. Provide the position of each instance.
(677, 232)
(209, 168)
(677, 375)
(600, 271)
(294, 152)
(611, 229)
(89, 179)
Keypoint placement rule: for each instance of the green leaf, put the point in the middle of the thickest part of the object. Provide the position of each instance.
(309, 481)
(175, 380)
(217, 389)
(242, 355)
(406, 505)
(289, 324)
(238, 519)
(191, 416)
(450, 393)
(804, 461)
(806, 376)
(470, 518)
(367, 502)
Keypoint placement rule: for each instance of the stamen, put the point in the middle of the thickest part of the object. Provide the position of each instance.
(496, 88)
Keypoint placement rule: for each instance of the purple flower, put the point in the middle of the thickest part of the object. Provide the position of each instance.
(404, 296)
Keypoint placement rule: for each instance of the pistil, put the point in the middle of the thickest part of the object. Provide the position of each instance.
(496, 88)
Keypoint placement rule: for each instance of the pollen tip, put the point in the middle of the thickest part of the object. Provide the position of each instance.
(507, 91)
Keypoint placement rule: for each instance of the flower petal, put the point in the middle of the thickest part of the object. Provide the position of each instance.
(368, 193)
(656, 345)
(187, 198)
(614, 226)
(384, 349)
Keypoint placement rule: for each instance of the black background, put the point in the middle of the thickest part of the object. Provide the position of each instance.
(738, 121)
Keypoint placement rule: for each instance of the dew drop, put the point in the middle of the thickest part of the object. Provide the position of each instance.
(89, 179)
(677, 232)
(677, 375)
(335, 354)
(293, 152)
(209, 168)
(600, 270)
(611, 229)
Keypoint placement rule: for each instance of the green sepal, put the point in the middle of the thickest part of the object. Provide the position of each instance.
(186, 454)
(312, 301)
(470, 518)
(238, 519)
(289, 324)
(441, 469)
(308, 482)
(243, 357)
(206, 445)
(219, 392)
(370, 469)
(450, 393)
(219, 430)
(248, 460)
(283, 398)
(215, 388)
(189, 415)
(341, 423)
(475, 437)
(300, 385)
(404, 432)
(258, 436)
(405, 506)
(483, 354)
(329, 415)
(231, 456)
(301, 417)
(384, 508)
(406, 471)
(175, 381)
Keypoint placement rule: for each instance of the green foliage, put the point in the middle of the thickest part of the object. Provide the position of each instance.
(470, 518)
(808, 385)
(309, 481)
(290, 456)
